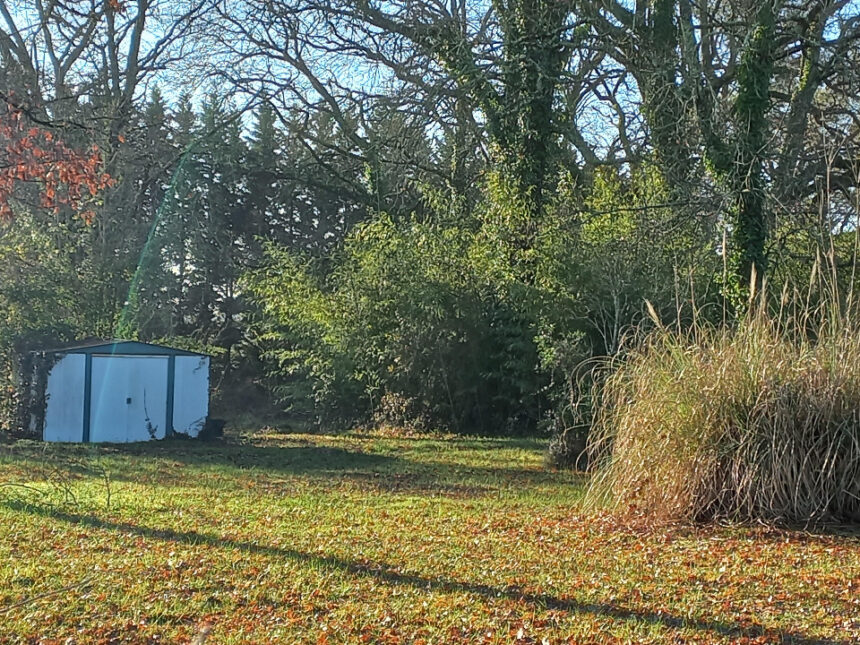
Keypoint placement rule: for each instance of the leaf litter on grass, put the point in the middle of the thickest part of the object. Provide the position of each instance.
(351, 539)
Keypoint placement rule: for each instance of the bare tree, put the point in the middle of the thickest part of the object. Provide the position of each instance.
(505, 82)
(66, 55)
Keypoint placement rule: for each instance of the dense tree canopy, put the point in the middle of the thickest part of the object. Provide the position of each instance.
(417, 212)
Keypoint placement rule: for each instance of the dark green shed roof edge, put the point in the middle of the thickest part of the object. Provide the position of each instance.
(132, 347)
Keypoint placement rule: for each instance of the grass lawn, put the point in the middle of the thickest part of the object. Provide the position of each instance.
(354, 539)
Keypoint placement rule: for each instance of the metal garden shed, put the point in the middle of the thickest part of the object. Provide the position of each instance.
(118, 392)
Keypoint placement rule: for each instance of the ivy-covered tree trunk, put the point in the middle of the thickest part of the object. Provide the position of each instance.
(665, 106)
(523, 122)
(749, 214)
(736, 158)
(519, 111)
(531, 70)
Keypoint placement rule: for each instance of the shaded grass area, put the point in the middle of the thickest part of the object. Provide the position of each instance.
(315, 539)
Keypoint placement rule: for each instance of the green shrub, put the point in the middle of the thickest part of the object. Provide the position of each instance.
(760, 422)
(404, 330)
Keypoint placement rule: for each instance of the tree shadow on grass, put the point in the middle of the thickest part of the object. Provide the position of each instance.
(389, 575)
(363, 470)
(293, 459)
(463, 441)
(304, 456)
(299, 458)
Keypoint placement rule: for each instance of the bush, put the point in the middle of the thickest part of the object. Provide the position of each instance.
(757, 423)
(405, 330)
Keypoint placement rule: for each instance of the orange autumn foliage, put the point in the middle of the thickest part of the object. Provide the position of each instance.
(34, 155)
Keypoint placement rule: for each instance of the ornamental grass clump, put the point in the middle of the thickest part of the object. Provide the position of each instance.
(756, 423)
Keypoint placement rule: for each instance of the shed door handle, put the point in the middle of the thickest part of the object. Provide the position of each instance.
(128, 401)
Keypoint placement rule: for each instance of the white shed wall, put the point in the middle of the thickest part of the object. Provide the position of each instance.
(191, 394)
(64, 413)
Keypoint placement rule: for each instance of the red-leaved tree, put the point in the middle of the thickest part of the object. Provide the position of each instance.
(32, 156)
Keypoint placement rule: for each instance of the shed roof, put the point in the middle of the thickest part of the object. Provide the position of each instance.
(118, 347)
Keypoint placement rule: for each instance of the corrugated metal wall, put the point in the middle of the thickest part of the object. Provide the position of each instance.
(128, 397)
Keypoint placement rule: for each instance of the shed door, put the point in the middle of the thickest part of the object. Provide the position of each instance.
(129, 398)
